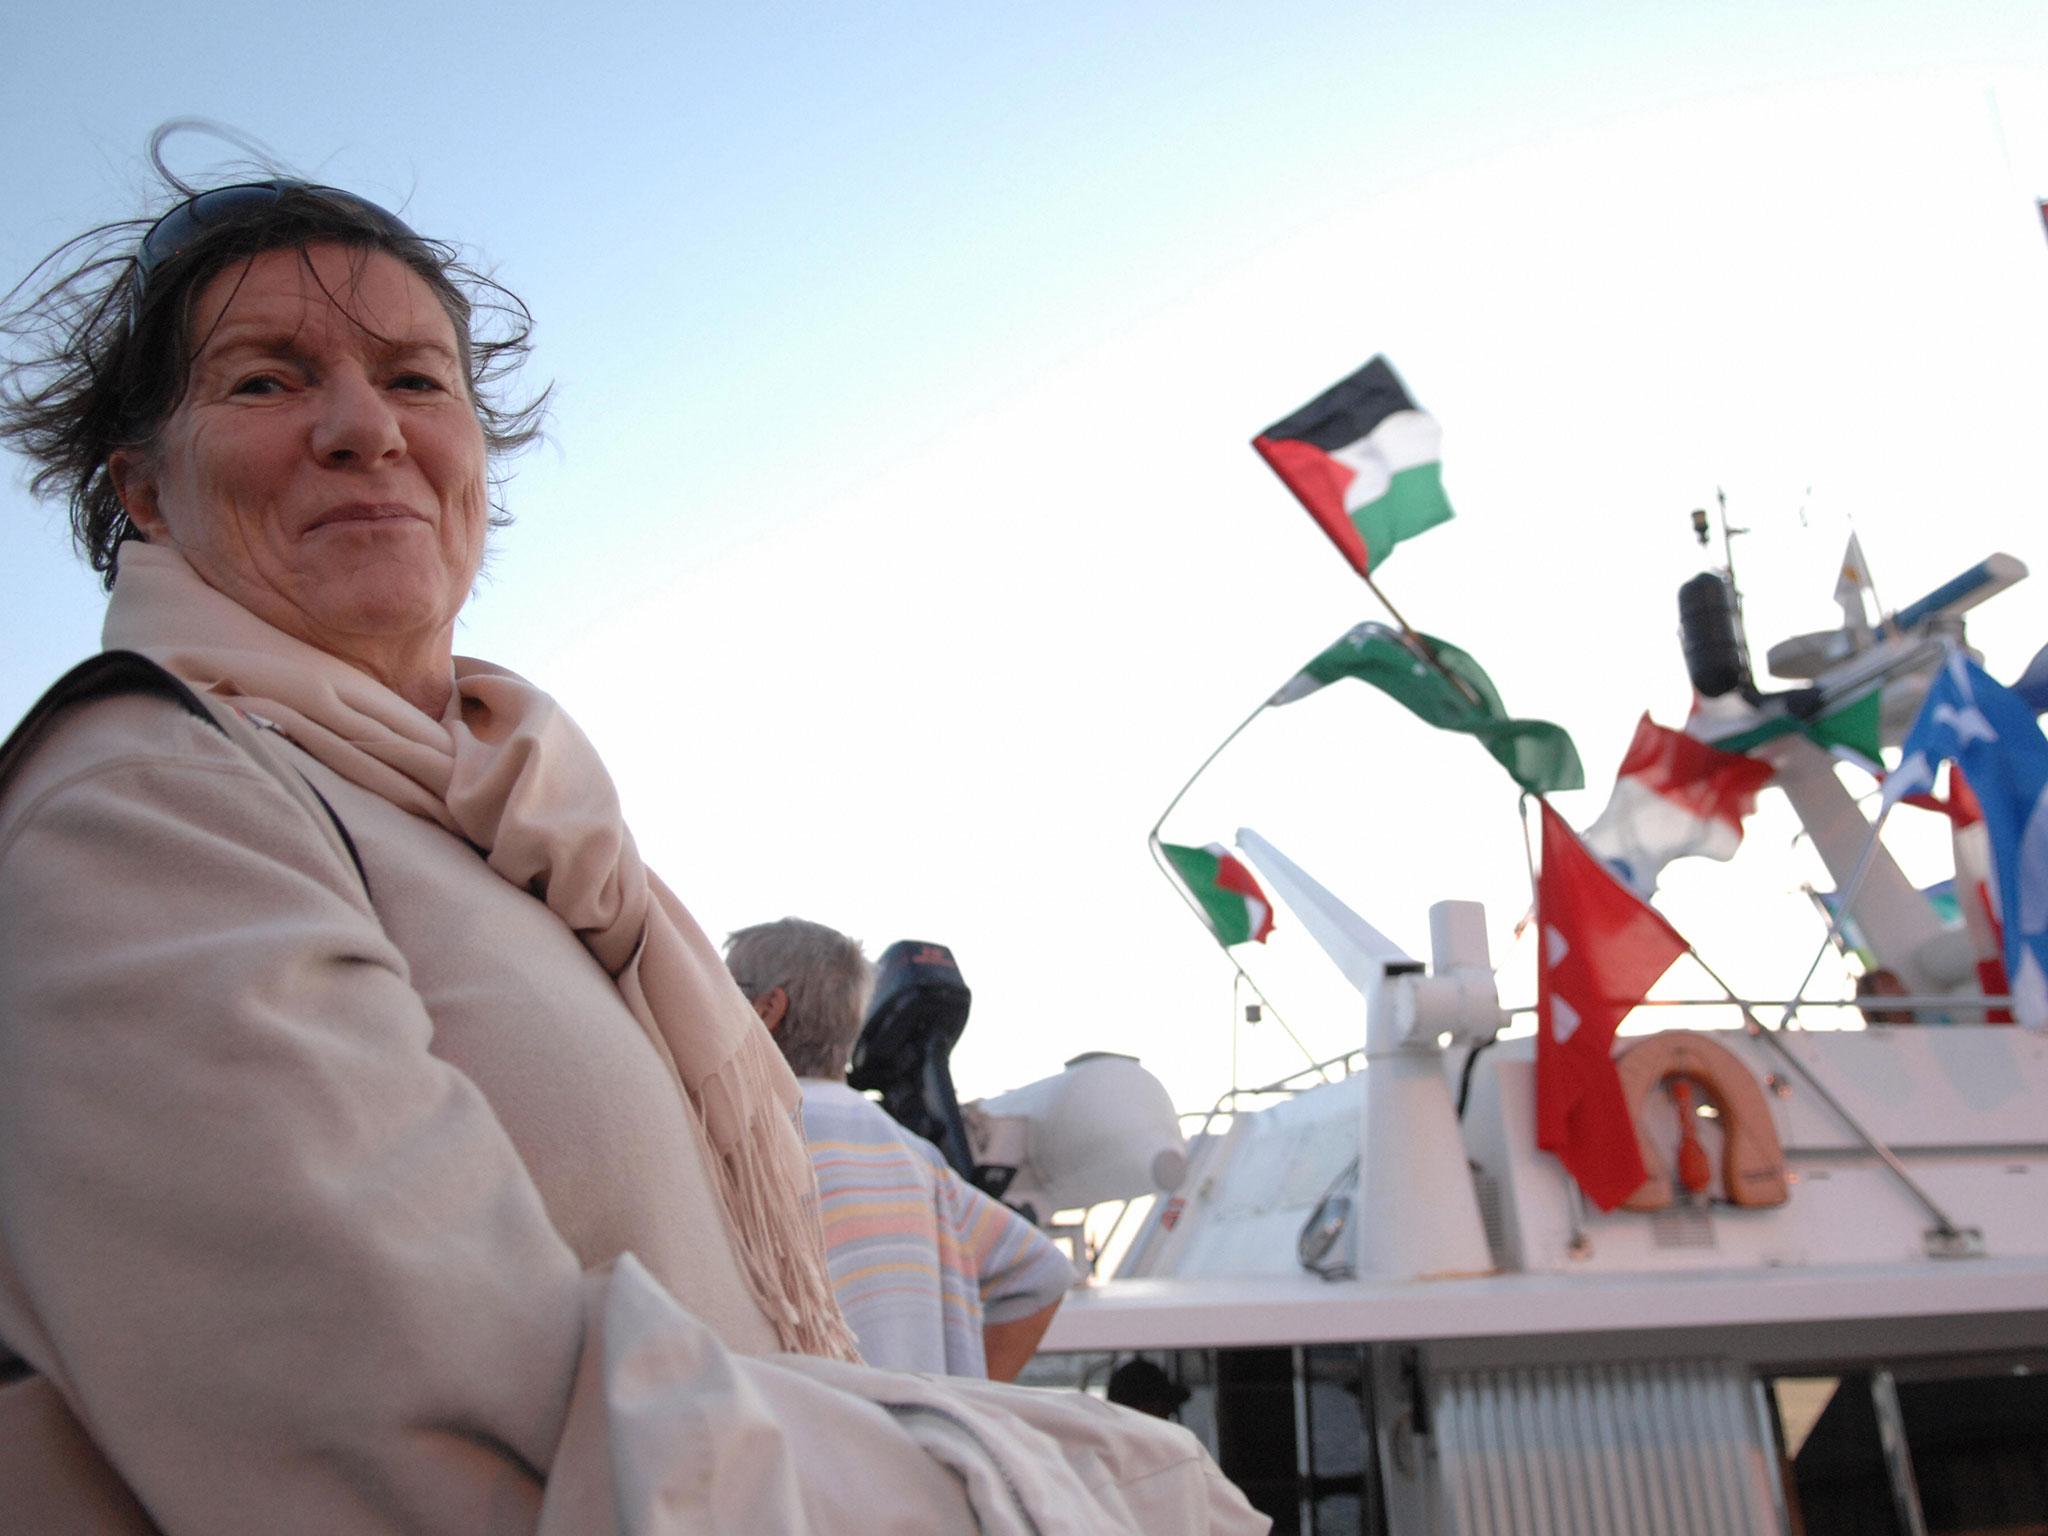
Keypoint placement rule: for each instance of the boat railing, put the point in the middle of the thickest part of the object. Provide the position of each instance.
(1933, 1003)
(1943, 1238)
(1318, 1074)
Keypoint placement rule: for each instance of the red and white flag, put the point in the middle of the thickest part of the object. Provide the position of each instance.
(1977, 889)
(1599, 951)
(1673, 795)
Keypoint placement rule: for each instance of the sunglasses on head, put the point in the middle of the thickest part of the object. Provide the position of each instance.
(203, 211)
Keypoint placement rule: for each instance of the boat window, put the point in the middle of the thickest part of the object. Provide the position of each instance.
(1833, 1458)
(1980, 1450)
(1943, 1448)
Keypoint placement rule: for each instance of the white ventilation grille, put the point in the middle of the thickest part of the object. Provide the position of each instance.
(1682, 1226)
(1670, 1448)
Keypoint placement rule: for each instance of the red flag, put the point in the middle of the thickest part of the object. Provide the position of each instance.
(1674, 795)
(1971, 839)
(1599, 951)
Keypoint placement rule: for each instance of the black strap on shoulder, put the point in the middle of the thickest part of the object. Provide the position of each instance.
(97, 677)
(341, 830)
(114, 673)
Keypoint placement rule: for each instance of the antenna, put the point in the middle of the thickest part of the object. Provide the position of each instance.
(1728, 536)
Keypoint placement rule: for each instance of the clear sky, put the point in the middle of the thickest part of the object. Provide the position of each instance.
(897, 539)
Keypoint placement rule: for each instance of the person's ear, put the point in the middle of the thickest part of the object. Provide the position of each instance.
(773, 1006)
(135, 487)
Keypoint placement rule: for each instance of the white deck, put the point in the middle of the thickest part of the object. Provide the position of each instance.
(1907, 1308)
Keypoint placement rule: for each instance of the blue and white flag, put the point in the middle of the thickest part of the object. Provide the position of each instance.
(1987, 729)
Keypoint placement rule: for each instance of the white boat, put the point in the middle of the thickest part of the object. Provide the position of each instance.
(1389, 1312)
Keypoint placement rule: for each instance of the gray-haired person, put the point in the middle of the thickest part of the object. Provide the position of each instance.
(932, 1273)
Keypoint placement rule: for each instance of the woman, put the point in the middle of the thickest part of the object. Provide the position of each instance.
(339, 1057)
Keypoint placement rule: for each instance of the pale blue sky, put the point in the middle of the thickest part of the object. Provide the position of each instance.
(897, 539)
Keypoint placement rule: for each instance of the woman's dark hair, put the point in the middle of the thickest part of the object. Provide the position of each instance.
(99, 352)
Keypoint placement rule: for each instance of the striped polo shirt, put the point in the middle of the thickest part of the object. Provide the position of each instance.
(920, 1258)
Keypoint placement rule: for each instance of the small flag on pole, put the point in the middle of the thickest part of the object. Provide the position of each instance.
(1364, 461)
(1850, 586)
(1599, 951)
(1237, 910)
(1537, 753)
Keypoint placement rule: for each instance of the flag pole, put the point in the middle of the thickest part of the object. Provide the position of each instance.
(1421, 646)
(1388, 604)
(1181, 793)
(1165, 868)
(1528, 853)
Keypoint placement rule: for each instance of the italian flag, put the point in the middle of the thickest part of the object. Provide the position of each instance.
(1976, 890)
(1230, 898)
(1364, 461)
(1673, 796)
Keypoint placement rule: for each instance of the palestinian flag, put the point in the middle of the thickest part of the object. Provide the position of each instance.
(1538, 754)
(1673, 796)
(1230, 898)
(1364, 461)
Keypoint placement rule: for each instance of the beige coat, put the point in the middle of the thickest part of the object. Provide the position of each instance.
(298, 1198)
(343, 1168)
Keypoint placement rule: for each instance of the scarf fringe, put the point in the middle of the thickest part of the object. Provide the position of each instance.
(781, 1244)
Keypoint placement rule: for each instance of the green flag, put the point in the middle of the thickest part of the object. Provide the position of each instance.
(1848, 729)
(1538, 754)
(1236, 909)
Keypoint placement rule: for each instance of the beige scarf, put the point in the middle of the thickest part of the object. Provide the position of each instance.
(508, 771)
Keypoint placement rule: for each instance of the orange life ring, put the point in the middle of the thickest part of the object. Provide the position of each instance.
(1752, 1159)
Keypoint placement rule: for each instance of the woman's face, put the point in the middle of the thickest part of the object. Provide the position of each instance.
(325, 468)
